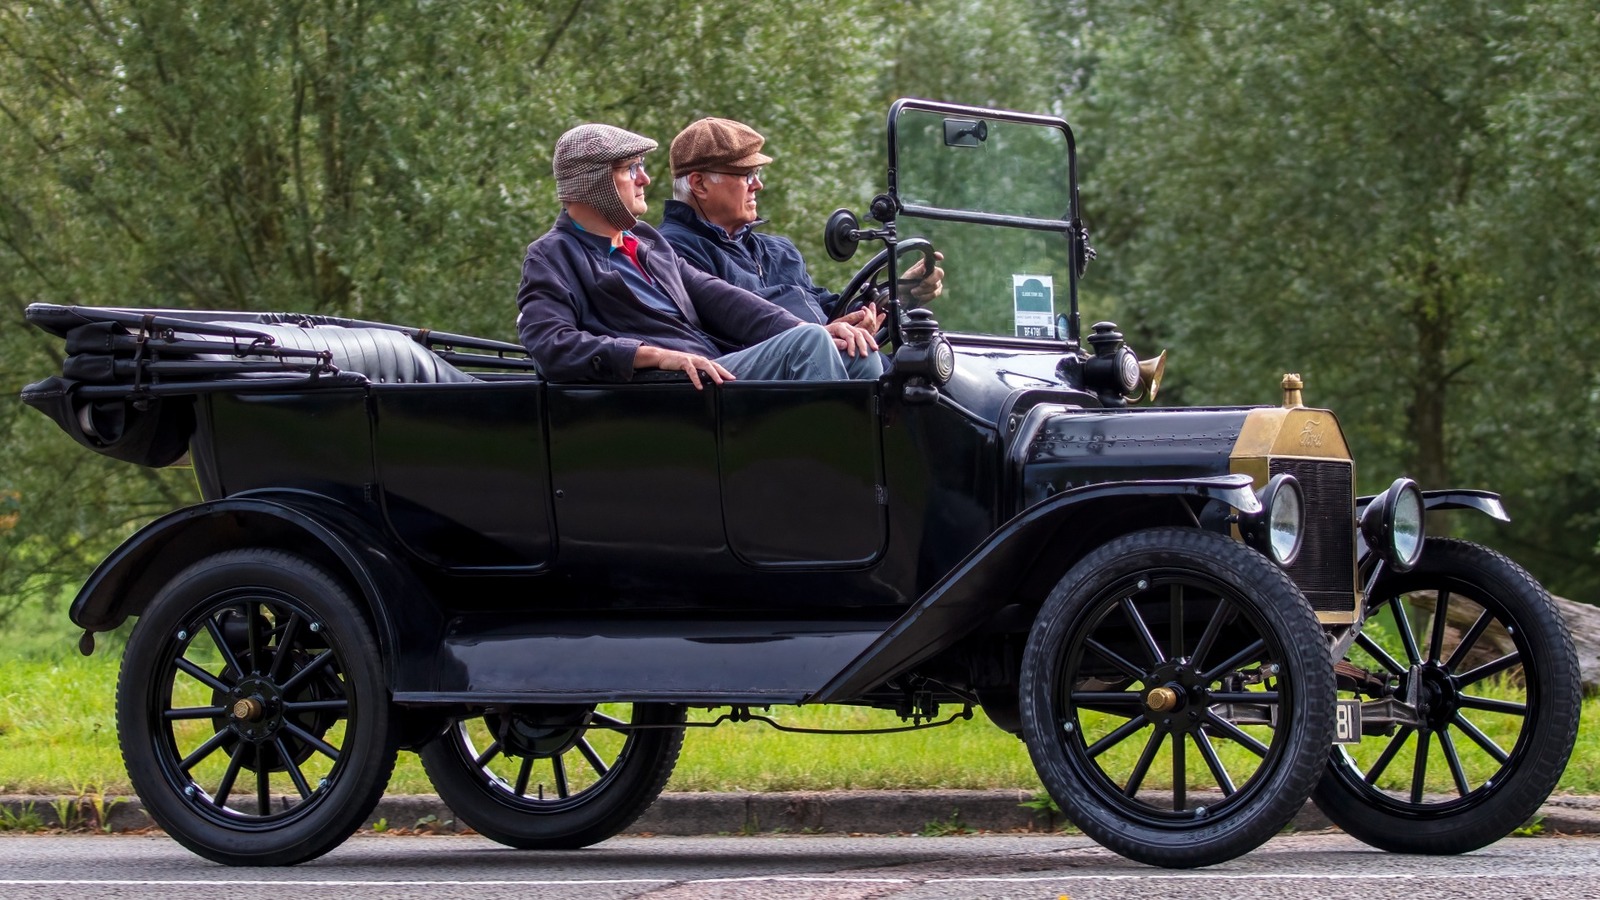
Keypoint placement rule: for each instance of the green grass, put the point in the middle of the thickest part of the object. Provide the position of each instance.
(58, 729)
(58, 735)
(750, 756)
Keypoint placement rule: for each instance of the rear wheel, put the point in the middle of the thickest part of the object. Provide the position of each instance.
(555, 777)
(252, 710)
(1176, 697)
(1478, 648)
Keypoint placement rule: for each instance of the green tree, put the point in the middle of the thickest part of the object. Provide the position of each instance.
(1542, 226)
(1326, 188)
(378, 160)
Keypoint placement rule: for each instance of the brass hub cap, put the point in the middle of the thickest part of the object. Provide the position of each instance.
(248, 709)
(254, 708)
(1161, 699)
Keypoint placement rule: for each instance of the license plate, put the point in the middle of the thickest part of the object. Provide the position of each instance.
(1347, 721)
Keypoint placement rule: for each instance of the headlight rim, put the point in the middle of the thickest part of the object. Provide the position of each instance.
(1257, 528)
(1128, 379)
(944, 360)
(1378, 524)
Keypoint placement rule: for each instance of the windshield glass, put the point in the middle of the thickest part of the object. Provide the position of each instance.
(999, 280)
(981, 165)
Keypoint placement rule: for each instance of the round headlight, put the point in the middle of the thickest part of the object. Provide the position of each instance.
(1128, 371)
(1285, 521)
(1277, 530)
(1407, 530)
(944, 360)
(1394, 524)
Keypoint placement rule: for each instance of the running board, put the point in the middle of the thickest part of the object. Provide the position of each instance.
(647, 660)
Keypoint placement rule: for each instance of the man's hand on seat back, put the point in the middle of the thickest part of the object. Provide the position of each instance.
(647, 357)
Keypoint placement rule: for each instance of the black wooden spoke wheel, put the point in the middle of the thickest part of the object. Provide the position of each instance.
(252, 710)
(1479, 648)
(1176, 697)
(553, 777)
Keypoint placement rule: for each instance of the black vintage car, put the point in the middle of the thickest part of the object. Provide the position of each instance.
(410, 540)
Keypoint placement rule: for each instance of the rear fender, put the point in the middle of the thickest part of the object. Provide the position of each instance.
(123, 584)
(1025, 557)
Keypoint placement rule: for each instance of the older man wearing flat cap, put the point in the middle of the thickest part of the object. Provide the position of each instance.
(604, 296)
(711, 221)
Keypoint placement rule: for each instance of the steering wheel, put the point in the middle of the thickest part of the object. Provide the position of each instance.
(873, 278)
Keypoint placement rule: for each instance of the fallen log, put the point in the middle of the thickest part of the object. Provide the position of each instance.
(1583, 620)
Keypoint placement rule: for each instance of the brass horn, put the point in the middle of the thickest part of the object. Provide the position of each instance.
(1150, 372)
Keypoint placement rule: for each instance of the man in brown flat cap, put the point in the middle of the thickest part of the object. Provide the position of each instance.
(711, 222)
(603, 296)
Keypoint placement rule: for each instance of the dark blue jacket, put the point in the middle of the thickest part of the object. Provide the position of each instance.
(580, 321)
(764, 264)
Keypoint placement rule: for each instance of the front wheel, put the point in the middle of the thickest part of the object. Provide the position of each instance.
(252, 710)
(555, 777)
(1176, 697)
(1474, 656)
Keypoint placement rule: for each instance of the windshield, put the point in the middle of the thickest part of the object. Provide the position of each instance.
(980, 164)
(995, 196)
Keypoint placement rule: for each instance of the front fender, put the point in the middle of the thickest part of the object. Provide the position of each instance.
(1486, 502)
(991, 575)
(306, 524)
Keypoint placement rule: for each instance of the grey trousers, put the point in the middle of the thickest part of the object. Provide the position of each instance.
(803, 353)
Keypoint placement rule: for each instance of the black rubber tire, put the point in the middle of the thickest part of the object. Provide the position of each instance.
(264, 627)
(498, 805)
(1474, 580)
(1237, 610)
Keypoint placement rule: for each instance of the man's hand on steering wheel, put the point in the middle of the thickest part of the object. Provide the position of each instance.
(870, 284)
(926, 287)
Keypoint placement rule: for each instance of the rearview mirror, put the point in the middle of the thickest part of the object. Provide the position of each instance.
(840, 236)
(965, 132)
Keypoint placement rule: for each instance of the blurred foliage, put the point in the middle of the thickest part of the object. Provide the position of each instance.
(1397, 200)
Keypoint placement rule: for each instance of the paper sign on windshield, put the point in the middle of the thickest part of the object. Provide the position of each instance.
(1035, 305)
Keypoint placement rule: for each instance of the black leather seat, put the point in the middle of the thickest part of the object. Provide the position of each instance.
(384, 356)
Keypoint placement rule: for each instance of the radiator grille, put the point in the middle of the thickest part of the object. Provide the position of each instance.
(1325, 569)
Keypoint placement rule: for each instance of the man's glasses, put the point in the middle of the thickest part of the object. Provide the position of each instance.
(750, 177)
(635, 169)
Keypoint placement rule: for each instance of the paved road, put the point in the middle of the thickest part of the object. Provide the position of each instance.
(724, 868)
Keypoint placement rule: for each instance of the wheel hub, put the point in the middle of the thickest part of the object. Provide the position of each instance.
(255, 709)
(1438, 699)
(1176, 698)
(1162, 699)
(543, 736)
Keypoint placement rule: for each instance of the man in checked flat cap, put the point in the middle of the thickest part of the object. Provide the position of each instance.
(711, 221)
(604, 296)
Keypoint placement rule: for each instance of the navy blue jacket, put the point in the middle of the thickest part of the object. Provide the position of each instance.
(764, 264)
(580, 321)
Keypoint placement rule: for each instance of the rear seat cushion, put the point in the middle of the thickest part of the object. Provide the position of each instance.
(384, 356)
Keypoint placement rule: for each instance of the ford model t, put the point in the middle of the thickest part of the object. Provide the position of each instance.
(409, 539)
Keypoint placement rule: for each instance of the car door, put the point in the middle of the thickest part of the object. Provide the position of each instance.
(633, 473)
(802, 473)
(678, 487)
(463, 475)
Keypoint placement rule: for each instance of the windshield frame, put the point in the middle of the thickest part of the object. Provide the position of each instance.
(1070, 227)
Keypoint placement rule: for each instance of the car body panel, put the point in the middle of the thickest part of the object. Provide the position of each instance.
(464, 475)
(407, 620)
